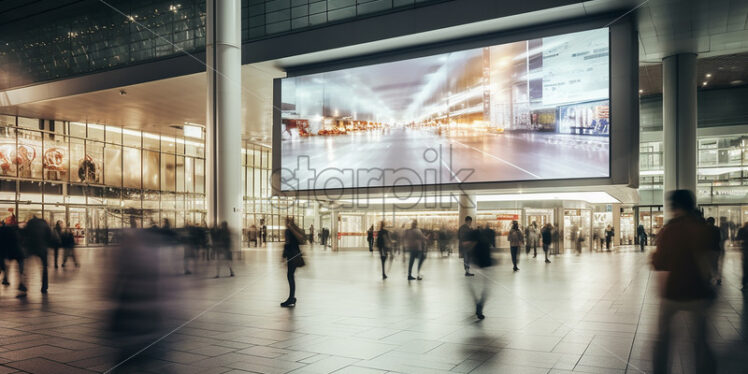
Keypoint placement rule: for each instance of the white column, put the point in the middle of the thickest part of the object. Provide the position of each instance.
(679, 122)
(224, 118)
(334, 216)
(467, 207)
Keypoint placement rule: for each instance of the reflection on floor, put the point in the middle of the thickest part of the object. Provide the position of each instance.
(593, 313)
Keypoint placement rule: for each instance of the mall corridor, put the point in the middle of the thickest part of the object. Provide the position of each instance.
(594, 313)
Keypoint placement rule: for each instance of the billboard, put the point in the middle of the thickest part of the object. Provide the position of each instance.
(529, 110)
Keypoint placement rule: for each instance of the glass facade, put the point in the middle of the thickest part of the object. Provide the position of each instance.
(82, 38)
(260, 208)
(261, 18)
(98, 178)
(76, 40)
(722, 185)
(722, 168)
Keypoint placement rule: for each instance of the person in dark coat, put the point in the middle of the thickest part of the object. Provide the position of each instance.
(546, 236)
(715, 247)
(642, 234)
(293, 257)
(10, 250)
(683, 252)
(742, 237)
(36, 236)
(370, 238)
(221, 240)
(56, 241)
(479, 248)
(384, 245)
(67, 243)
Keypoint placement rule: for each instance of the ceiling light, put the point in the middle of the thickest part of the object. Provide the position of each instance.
(191, 131)
(703, 83)
(736, 82)
(708, 75)
(641, 91)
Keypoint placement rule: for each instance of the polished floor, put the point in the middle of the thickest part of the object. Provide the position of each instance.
(594, 313)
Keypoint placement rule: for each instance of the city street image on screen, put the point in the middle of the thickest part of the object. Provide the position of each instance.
(530, 110)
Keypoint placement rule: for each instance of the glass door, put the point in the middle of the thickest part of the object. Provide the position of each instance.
(77, 218)
(576, 229)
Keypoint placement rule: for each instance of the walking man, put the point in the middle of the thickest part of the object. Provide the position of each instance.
(463, 235)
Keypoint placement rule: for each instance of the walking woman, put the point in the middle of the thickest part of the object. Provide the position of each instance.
(292, 254)
(515, 241)
(384, 244)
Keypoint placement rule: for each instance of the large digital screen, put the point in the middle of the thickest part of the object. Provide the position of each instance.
(536, 109)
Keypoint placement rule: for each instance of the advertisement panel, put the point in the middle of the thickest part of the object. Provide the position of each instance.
(523, 111)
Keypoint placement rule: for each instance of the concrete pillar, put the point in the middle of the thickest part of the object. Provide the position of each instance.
(334, 216)
(224, 118)
(467, 206)
(679, 122)
(558, 220)
(617, 225)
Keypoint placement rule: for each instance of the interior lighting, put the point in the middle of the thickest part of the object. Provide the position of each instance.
(192, 131)
(704, 83)
(708, 75)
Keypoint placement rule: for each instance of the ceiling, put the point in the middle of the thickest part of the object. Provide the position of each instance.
(717, 72)
(717, 30)
(157, 106)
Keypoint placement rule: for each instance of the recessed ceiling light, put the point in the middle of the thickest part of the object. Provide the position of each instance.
(708, 75)
(703, 83)
(641, 91)
(736, 82)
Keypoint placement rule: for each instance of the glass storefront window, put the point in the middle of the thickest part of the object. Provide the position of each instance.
(91, 169)
(151, 168)
(112, 165)
(168, 172)
(131, 167)
(55, 159)
(27, 159)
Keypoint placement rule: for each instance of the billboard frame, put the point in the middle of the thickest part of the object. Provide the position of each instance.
(623, 162)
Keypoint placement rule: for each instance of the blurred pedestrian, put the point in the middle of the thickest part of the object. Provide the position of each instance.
(222, 246)
(641, 233)
(477, 244)
(534, 238)
(67, 243)
(415, 243)
(546, 235)
(294, 259)
(36, 237)
(609, 234)
(463, 234)
(683, 251)
(384, 244)
(252, 235)
(311, 234)
(742, 236)
(370, 238)
(56, 241)
(264, 233)
(715, 249)
(516, 239)
(10, 250)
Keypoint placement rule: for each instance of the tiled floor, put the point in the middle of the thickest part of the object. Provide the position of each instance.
(594, 313)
